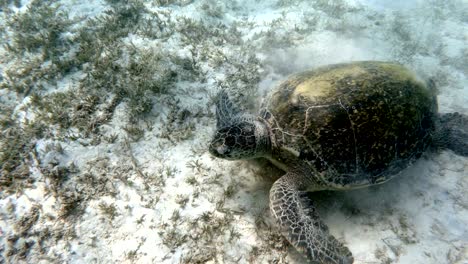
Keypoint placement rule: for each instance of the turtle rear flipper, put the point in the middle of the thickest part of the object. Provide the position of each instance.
(452, 133)
(300, 223)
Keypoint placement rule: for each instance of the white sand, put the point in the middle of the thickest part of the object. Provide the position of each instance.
(419, 217)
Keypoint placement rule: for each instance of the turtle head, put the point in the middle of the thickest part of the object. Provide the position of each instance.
(238, 135)
(246, 138)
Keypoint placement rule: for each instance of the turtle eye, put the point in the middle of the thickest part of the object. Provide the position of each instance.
(230, 141)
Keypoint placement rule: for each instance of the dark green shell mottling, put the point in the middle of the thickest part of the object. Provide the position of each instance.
(356, 121)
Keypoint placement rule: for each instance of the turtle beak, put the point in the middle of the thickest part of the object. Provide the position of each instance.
(218, 149)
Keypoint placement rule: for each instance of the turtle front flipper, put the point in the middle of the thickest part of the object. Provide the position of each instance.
(226, 110)
(452, 133)
(300, 223)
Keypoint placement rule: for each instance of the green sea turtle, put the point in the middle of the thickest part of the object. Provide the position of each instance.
(337, 127)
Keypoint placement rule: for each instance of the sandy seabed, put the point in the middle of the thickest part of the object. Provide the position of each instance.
(130, 179)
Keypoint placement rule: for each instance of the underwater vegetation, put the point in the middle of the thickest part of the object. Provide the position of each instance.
(105, 117)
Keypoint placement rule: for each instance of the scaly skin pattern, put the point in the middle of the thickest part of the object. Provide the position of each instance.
(299, 222)
(452, 133)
